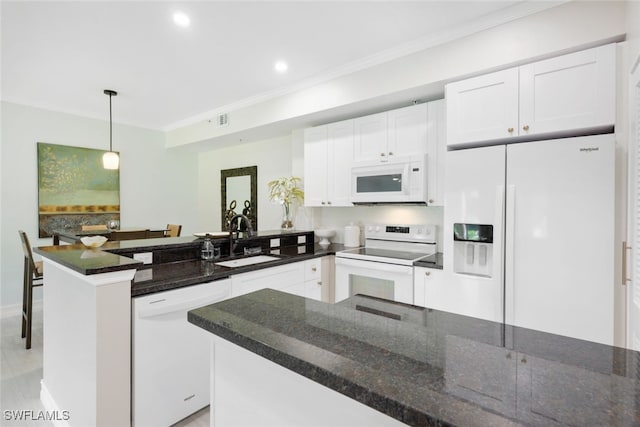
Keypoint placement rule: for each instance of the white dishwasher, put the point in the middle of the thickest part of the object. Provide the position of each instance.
(170, 357)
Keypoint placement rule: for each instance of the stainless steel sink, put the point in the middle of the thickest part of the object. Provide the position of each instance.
(242, 262)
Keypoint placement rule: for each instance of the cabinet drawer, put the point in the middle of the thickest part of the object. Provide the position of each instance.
(312, 269)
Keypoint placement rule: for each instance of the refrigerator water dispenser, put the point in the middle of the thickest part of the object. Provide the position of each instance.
(473, 249)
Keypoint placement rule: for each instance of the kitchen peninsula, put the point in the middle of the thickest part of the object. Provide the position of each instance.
(87, 310)
(370, 361)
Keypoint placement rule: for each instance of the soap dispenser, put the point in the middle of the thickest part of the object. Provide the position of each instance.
(208, 249)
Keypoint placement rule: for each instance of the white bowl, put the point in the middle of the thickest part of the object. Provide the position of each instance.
(93, 241)
(324, 234)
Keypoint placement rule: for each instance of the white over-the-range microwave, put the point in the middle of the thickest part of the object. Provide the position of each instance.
(403, 180)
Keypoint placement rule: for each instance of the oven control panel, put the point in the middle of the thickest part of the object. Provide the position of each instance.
(423, 233)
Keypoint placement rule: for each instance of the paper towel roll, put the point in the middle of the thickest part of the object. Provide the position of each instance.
(352, 236)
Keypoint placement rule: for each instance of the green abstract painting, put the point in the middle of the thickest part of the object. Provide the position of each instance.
(74, 189)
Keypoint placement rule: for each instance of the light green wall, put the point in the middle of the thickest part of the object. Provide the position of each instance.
(157, 186)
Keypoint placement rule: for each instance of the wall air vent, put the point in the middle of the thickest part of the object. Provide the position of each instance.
(222, 119)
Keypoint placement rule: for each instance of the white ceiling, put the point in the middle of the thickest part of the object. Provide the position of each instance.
(60, 55)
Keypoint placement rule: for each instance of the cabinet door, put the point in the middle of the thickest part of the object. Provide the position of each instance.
(436, 152)
(313, 279)
(482, 108)
(370, 142)
(287, 278)
(407, 131)
(315, 166)
(572, 91)
(339, 162)
(427, 287)
(313, 289)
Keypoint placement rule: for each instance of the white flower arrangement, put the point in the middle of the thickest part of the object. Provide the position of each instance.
(286, 191)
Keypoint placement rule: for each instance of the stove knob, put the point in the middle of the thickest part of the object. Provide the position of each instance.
(369, 228)
(377, 228)
(419, 230)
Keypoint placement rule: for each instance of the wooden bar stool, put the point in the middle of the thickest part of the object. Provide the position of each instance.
(118, 235)
(173, 230)
(33, 277)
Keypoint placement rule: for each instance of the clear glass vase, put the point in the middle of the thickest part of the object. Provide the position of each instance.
(287, 219)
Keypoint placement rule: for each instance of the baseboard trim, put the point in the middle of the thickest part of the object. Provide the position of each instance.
(57, 416)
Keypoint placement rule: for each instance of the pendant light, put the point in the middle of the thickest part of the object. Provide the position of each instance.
(110, 159)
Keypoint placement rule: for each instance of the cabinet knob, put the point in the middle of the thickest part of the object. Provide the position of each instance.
(329, 202)
(314, 269)
(430, 201)
(322, 203)
(427, 273)
(525, 127)
(319, 283)
(382, 154)
(390, 153)
(510, 130)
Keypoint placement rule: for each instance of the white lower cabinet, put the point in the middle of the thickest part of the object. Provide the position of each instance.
(171, 357)
(286, 278)
(313, 279)
(307, 279)
(427, 286)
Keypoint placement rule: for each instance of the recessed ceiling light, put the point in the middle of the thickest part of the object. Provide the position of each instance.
(181, 19)
(281, 66)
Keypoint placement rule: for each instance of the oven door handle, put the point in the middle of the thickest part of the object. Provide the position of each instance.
(374, 265)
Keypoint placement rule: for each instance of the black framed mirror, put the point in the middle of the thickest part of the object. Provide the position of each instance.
(239, 196)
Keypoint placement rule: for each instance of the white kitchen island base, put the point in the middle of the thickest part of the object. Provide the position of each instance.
(249, 390)
(86, 347)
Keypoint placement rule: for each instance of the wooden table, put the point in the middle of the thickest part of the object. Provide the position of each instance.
(74, 235)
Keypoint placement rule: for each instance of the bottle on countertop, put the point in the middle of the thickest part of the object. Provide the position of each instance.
(208, 250)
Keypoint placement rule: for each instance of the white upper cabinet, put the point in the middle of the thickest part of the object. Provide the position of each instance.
(330, 151)
(395, 133)
(370, 142)
(407, 131)
(569, 94)
(436, 149)
(328, 156)
(340, 160)
(315, 165)
(483, 107)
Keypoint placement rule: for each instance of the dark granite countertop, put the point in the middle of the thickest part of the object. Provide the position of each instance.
(428, 367)
(171, 274)
(164, 277)
(432, 261)
(107, 258)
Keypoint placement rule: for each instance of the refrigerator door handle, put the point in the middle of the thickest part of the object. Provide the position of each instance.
(498, 260)
(509, 271)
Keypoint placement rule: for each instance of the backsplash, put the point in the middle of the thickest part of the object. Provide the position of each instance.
(338, 218)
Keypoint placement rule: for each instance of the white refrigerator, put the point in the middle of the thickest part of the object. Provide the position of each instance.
(529, 236)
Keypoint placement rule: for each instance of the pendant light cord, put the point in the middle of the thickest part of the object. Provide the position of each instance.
(110, 126)
(110, 93)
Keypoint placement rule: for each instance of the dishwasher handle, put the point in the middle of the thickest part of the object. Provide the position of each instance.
(180, 305)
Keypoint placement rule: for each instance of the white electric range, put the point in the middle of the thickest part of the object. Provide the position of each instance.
(384, 266)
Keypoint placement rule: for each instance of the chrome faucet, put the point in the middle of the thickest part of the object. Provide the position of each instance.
(233, 226)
